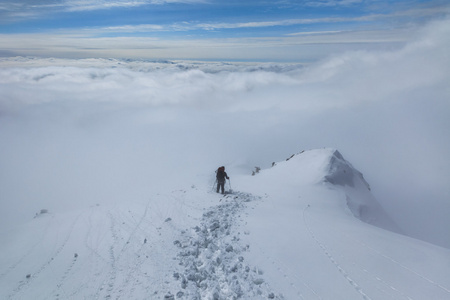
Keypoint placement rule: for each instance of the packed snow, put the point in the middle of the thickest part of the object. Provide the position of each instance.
(305, 228)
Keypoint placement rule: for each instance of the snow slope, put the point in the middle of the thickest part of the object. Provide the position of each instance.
(294, 231)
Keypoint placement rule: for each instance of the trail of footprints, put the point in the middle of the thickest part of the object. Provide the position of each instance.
(31, 277)
(211, 256)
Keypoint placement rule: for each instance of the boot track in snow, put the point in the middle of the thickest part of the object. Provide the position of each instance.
(211, 255)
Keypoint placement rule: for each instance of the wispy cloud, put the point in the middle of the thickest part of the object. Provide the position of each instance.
(322, 3)
(12, 10)
(86, 5)
(211, 36)
(211, 26)
(191, 26)
(312, 33)
(135, 28)
(297, 47)
(99, 5)
(286, 22)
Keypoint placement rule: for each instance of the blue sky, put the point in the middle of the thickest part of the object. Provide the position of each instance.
(209, 29)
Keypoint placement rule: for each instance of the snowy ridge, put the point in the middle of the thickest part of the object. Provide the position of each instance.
(319, 250)
(328, 167)
(290, 235)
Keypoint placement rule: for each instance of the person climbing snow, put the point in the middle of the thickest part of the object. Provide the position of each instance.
(220, 176)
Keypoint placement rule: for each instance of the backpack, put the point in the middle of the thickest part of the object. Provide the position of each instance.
(220, 174)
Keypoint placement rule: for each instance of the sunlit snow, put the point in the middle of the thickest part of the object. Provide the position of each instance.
(285, 233)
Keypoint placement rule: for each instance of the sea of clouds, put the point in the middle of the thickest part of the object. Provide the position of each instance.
(77, 132)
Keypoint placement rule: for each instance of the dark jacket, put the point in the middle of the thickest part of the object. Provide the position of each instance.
(221, 175)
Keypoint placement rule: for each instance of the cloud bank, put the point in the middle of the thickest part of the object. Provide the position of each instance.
(80, 132)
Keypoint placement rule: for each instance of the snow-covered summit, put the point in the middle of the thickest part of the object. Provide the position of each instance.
(328, 167)
(305, 236)
(317, 166)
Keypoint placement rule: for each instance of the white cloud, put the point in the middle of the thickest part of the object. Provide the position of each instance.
(333, 2)
(286, 22)
(84, 130)
(13, 11)
(87, 5)
(314, 32)
(135, 28)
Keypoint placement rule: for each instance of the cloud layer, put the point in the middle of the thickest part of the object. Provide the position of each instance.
(78, 132)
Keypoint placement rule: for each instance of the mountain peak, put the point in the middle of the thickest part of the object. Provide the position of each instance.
(329, 167)
(341, 172)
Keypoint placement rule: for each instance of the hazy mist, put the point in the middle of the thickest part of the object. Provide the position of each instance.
(80, 132)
